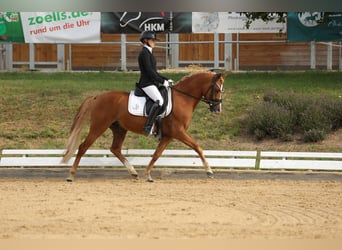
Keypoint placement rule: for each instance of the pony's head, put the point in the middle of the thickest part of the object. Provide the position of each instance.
(214, 94)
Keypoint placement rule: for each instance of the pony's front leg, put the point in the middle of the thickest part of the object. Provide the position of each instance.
(187, 140)
(159, 150)
(149, 177)
(150, 166)
(207, 168)
(126, 163)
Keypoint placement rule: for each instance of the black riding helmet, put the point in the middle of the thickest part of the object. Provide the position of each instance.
(147, 34)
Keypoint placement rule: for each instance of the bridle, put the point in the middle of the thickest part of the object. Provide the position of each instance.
(211, 101)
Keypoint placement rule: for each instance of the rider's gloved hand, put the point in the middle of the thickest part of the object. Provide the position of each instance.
(170, 82)
(166, 83)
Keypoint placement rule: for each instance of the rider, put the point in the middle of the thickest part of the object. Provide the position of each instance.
(150, 79)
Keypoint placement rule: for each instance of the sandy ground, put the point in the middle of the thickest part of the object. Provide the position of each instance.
(169, 209)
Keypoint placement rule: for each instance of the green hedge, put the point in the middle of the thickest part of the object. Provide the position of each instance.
(281, 115)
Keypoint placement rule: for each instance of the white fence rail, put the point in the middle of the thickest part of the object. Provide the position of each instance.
(178, 158)
(138, 157)
(301, 160)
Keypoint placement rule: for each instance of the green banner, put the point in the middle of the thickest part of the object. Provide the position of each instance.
(10, 27)
(310, 26)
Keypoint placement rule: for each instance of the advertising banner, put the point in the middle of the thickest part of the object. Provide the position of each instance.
(61, 27)
(10, 27)
(231, 22)
(136, 22)
(309, 26)
(86, 27)
(184, 22)
(50, 27)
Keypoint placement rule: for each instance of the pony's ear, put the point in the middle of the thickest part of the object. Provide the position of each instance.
(225, 74)
(222, 74)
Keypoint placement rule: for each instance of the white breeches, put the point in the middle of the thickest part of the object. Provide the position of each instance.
(153, 92)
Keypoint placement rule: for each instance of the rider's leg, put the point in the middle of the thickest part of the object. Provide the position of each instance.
(153, 92)
(148, 129)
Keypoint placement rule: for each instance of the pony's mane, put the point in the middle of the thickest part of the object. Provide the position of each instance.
(184, 78)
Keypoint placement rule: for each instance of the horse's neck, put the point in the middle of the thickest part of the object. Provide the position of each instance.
(193, 85)
(189, 92)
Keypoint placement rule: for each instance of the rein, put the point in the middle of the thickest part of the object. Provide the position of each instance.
(202, 99)
(187, 94)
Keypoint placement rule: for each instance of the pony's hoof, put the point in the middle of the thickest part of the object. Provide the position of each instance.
(70, 179)
(135, 176)
(210, 175)
(149, 179)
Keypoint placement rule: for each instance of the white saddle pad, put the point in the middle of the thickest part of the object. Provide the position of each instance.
(136, 105)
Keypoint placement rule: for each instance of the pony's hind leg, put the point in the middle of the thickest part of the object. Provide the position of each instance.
(119, 134)
(82, 149)
(72, 171)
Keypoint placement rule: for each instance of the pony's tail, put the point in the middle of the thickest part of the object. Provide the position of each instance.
(76, 128)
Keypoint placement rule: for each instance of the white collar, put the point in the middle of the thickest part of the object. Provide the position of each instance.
(149, 48)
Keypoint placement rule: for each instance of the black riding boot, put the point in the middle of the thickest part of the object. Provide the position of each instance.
(151, 118)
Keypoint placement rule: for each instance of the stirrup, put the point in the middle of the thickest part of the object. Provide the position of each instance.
(149, 131)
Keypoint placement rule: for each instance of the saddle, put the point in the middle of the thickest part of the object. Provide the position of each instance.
(140, 104)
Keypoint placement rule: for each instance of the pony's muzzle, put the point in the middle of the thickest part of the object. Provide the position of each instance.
(215, 108)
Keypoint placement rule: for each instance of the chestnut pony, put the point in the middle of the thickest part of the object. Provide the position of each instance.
(110, 110)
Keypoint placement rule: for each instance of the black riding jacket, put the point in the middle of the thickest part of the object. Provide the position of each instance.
(148, 69)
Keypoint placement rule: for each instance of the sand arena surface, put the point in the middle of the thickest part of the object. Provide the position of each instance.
(168, 209)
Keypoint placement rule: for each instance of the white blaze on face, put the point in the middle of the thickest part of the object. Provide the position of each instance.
(221, 88)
